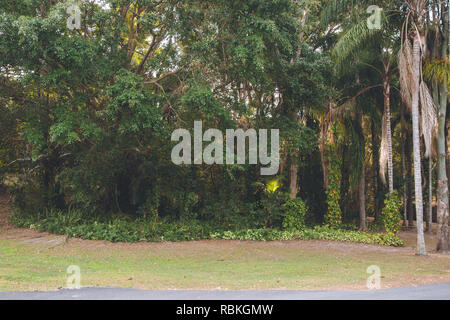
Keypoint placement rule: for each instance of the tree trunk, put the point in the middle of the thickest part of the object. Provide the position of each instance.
(387, 110)
(377, 183)
(421, 249)
(362, 200)
(435, 93)
(410, 206)
(362, 186)
(293, 170)
(442, 185)
(324, 126)
(403, 155)
(430, 196)
(293, 183)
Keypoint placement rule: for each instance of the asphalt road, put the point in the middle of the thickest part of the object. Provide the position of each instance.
(428, 292)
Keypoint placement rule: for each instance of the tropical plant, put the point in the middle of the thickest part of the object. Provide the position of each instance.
(391, 213)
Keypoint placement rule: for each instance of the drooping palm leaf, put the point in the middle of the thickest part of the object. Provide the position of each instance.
(408, 86)
(407, 73)
(351, 42)
(429, 118)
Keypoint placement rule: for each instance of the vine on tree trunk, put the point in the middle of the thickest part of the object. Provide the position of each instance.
(333, 190)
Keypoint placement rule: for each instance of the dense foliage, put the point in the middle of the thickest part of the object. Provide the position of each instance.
(119, 229)
(391, 213)
(87, 116)
(102, 102)
(295, 214)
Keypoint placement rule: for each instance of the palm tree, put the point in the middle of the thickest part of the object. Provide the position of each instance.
(359, 41)
(356, 39)
(414, 90)
(438, 72)
(414, 93)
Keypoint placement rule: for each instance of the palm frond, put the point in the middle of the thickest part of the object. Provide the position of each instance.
(352, 41)
(407, 73)
(408, 87)
(429, 118)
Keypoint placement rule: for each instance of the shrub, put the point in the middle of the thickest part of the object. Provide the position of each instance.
(119, 229)
(294, 214)
(391, 213)
(317, 233)
(272, 210)
(328, 233)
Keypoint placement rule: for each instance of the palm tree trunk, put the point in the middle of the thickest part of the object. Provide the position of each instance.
(362, 186)
(362, 200)
(442, 187)
(409, 187)
(430, 196)
(421, 249)
(405, 197)
(377, 183)
(387, 110)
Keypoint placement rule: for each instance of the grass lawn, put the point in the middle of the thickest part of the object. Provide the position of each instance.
(30, 260)
(29, 265)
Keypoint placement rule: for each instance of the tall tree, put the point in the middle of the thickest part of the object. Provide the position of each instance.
(415, 93)
(354, 45)
(438, 72)
(357, 37)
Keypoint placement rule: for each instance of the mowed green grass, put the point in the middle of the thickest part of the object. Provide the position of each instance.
(214, 265)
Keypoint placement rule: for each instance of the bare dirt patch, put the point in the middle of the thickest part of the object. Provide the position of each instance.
(27, 236)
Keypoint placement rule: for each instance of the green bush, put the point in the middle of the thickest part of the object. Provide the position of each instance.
(295, 211)
(257, 235)
(79, 224)
(391, 214)
(317, 233)
(328, 233)
(272, 210)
